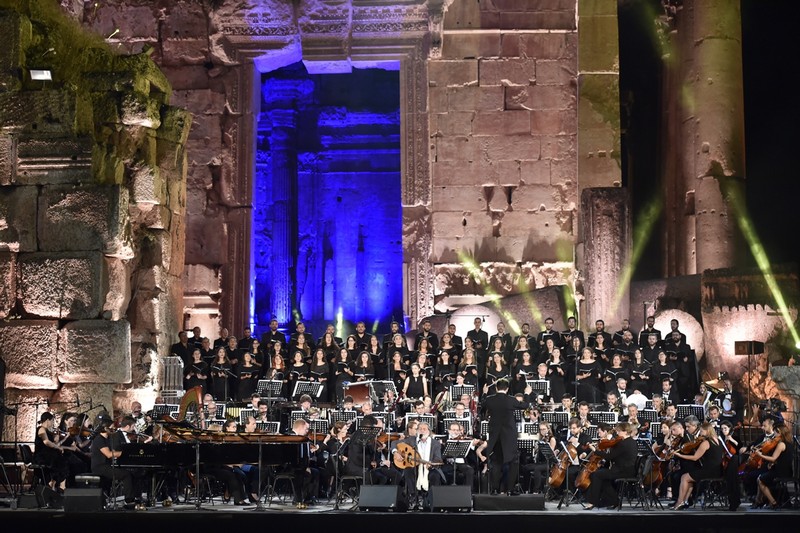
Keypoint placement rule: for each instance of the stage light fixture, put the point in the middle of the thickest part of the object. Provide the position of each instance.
(41, 74)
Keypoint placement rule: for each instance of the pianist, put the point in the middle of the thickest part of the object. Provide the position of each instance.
(105, 451)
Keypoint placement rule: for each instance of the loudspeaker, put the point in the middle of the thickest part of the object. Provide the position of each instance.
(523, 502)
(47, 497)
(381, 498)
(28, 501)
(455, 498)
(83, 500)
(748, 347)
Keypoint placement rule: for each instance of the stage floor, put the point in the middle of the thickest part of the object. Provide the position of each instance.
(220, 515)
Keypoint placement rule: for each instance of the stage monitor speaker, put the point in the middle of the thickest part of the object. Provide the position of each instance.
(47, 498)
(523, 502)
(454, 498)
(83, 500)
(748, 347)
(381, 498)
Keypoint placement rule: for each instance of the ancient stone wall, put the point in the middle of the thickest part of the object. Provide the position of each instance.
(92, 201)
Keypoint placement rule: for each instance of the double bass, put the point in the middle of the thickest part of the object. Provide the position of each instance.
(593, 463)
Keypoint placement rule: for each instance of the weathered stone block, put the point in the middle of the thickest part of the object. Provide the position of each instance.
(8, 159)
(184, 51)
(470, 45)
(499, 148)
(552, 97)
(187, 77)
(45, 160)
(557, 45)
(552, 72)
(95, 351)
(175, 126)
(140, 110)
(457, 148)
(200, 101)
(147, 186)
(16, 32)
(87, 218)
(452, 73)
(206, 240)
(61, 285)
(475, 98)
(535, 172)
(8, 283)
(598, 46)
(554, 122)
(502, 123)
(533, 197)
(18, 219)
(453, 123)
(42, 112)
(28, 348)
(206, 127)
(118, 282)
(133, 22)
(507, 72)
(185, 20)
(455, 198)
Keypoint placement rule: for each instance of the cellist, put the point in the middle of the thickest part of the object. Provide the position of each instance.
(622, 458)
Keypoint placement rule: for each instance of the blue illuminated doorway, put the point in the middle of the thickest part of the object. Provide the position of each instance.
(327, 214)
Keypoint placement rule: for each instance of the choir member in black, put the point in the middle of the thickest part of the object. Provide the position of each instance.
(683, 357)
(505, 345)
(378, 357)
(534, 474)
(351, 345)
(49, 452)
(556, 374)
(222, 340)
(779, 463)
(496, 371)
(398, 370)
(399, 345)
(422, 348)
(651, 348)
(530, 340)
(468, 367)
(272, 335)
(427, 334)
(445, 374)
(245, 344)
(220, 372)
(330, 346)
(600, 331)
(626, 348)
(501, 449)
(640, 373)
(547, 350)
(542, 336)
(258, 353)
(521, 346)
(320, 372)
(388, 339)
(361, 336)
(300, 329)
(206, 351)
(278, 372)
(344, 372)
(302, 344)
(363, 369)
(525, 370)
(480, 342)
(232, 349)
(618, 337)
(196, 373)
(415, 386)
(615, 370)
(105, 449)
(649, 330)
(622, 457)
(663, 368)
(183, 348)
(668, 392)
(709, 455)
(602, 351)
(446, 345)
(571, 354)
(571, 332)
(457, 341)
(298, 371)
(247, 373)
(587, 374)
(730, 464)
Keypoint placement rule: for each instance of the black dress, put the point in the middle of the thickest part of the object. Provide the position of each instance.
(51, 458)
(219, 381)
(415, 387)
(558, 385)
(190, 379)
(588, 387)
(248, 379)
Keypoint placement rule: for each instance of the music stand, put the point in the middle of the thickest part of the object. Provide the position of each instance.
(643, 447)
(342, 416)
(484, 428)
(591, 432)
(456, 449)
(317, 426)
(456, 391)
(649, 415)
(606, 417)
(530, 428)
(244, 413)
(557, 418)
(367, 436)
(312, 388)
(528, 445)
(273, 428)
(465, 423)
(164, 409)
(645, 451)
(541, 387)
(294, 415)
(429, 419)
(568, 496)
(685, 410)
(269, 389)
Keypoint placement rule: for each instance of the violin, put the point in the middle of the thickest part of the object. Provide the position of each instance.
(766, 446)
(385, 438)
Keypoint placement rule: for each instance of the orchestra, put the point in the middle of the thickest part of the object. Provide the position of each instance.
(386, 417)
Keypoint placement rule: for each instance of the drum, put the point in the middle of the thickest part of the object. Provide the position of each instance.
(727, 405)
(360, 392)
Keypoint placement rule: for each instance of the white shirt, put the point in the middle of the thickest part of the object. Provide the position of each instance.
(424, 448)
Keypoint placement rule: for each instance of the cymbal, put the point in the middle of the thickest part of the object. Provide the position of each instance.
(715, 384)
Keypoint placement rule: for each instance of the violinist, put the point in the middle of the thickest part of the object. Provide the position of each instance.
(709, 452)
(692, 425)
(382, 472)
(77, 458)
(622, 458)
(730, 464)
(641, 428)
(751, 470)
(333, 443)
(104, 452)
(48, 451)
(779, 465)
(461, 467)
(677, 466)
(535, 473)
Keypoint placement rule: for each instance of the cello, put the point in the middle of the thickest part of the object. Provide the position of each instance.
(583, 480)
(559, 471)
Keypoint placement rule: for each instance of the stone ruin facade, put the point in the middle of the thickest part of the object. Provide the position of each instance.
(510, 163)
(92, 216)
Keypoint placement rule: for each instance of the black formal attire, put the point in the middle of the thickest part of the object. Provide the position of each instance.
(650, 353)
(710, 464)
(219, 381)
(557, 381)
(362, 340)
(591, 342)
(183, 351)
(190, 379)
(501, 448)
(622, 457)
(433, 341)
(101, 465)
(480, 340)
(53, 459)
(640, 377)
(248, 379)
(508, 347)
(493, 375)
(270, 337)
(588, 387)
(645, 333)
(568, 334)
(461, 467)
(614, 373)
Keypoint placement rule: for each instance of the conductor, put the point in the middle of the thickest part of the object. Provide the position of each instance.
(502, 446)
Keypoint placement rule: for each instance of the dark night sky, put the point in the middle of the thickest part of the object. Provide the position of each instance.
(772, 116)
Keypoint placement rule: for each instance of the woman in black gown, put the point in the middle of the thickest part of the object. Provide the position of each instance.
(587, 375)
(196, 373)
(525, 370)
(556, 372)
(377, 357)
(415, 386)
(298, 371)
(497, 370)
(344, 372)
(445, 374)
(320, 372)
(220, 372)
(50, 453)
(398, 371)
(247, 372)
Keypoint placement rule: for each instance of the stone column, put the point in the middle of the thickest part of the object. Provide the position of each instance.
(284, 237)
(606, 223)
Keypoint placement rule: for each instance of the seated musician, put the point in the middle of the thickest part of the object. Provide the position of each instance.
(418, 479)
(709, 456)
(48, 451)
(749, 476)
(534, 474)
(714, 416)
(230, 475)
(105, 452)
(622, 458)
(306, 481)
(677, 466)
(461, 467)
(262, 413)
(730, 464)
(383, 473)
(583, 414)
(641, 428)
(692, 425)
(566, 405)
(779, 463)
(612, 404)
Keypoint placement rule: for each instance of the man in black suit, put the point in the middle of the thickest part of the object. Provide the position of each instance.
(622, 457)
(505, 338)
(502, 448)
(455, 340)
(480, 339)
(427, 334)
(649, 330)
(273, 335)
